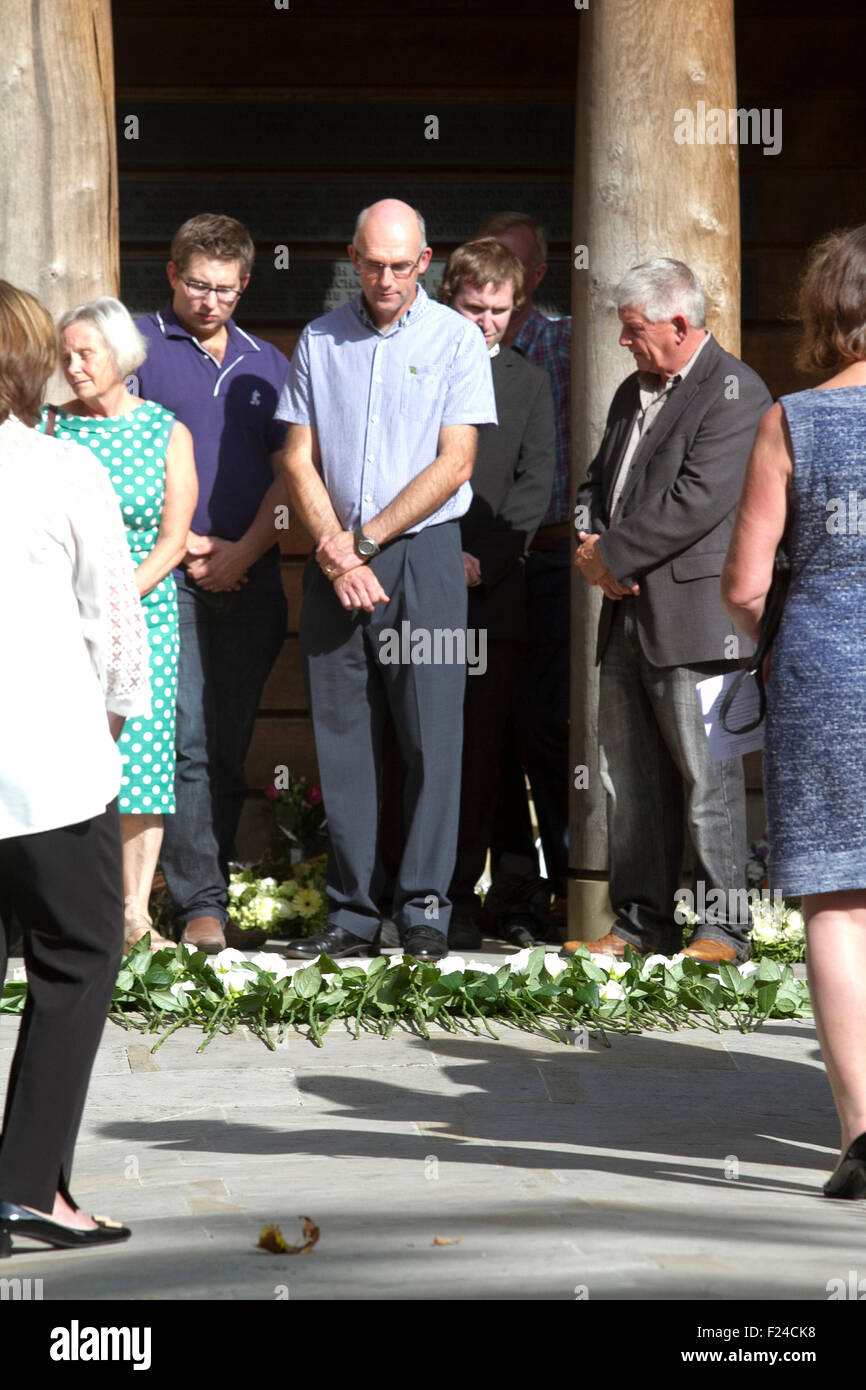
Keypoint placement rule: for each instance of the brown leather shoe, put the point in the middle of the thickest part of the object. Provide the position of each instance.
(610, 945)
(705, 948)
(204, 934)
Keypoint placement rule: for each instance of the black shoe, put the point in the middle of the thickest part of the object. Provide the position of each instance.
(524, 929)
(18, 1221)
(463, 934)
(515, 881)
(389, 936)
(331, 941)
(425, 943)
(849, 1179)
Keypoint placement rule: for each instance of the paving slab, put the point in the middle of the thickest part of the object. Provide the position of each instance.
(666, 1166)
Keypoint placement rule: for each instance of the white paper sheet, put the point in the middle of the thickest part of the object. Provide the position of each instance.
(711, 692)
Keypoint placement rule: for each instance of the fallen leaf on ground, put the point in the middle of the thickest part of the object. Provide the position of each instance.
(271, 1239)
(446, 1240)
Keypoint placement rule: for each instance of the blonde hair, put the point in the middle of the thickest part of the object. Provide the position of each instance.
(28, 353)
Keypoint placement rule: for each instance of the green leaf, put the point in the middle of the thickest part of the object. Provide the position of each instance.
(165, 1000)
(591, 971)
(733, 980)
(768, 970)
(535, 964)
(307, 982)
(765, 996)
(158, 975)
(139, 960)
(330, 997)
(452, 983)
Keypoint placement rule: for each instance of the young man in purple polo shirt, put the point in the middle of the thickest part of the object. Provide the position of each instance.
(224, 385)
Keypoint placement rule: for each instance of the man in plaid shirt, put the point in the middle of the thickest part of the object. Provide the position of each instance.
(544, 712)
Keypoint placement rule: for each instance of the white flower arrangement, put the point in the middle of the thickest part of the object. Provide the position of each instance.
(295, 907)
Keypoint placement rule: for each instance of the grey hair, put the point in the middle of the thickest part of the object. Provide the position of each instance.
(663, 288)
(363, 213)
(112, 320)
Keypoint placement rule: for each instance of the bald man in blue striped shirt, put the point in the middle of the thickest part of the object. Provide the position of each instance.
(384, 400)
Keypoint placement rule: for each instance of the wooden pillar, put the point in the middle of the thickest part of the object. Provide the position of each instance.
(58, 158)
(638, 193)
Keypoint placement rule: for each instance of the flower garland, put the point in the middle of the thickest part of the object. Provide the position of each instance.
(532, 989)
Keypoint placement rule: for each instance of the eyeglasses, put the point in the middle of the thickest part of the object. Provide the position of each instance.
(200, 291)
(401, 271)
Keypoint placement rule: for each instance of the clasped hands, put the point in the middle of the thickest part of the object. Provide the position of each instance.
(355, 584)
(589, 561)
(215, 564)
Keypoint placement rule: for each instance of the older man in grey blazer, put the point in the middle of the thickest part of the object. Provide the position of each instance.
(659, 502)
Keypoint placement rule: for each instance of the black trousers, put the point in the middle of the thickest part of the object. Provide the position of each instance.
(490, 699)
(66, 888)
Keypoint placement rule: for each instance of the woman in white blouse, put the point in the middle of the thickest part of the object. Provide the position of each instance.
(75, 666)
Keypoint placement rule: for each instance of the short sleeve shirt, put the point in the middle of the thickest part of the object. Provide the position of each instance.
(229, 408)
(378, 401)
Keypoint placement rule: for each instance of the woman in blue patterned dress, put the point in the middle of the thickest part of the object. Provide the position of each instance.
(148, 456)
(808, 472)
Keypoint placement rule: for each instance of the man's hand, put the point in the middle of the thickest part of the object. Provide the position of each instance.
(472, 569)
(589, 561)
(360, 588)
(215, 564)
(336, 554)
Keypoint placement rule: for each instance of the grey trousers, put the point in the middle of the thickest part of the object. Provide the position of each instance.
(406, 657)
(654, 762)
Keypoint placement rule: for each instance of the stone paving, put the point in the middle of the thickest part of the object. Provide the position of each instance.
(667, 1166)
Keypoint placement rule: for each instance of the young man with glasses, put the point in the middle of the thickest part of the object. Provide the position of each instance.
(224, 385)
(384, 401)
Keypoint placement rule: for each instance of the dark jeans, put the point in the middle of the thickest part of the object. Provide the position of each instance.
(228, 644)
(654, 762)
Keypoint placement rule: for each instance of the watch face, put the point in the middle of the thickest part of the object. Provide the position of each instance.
(367, 547)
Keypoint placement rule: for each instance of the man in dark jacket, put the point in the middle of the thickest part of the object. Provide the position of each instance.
(658, 505)
(511, 484)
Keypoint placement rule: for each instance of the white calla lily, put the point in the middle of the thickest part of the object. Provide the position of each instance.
(602, 959)
(619, 968)
(520, 960)
(451, 963)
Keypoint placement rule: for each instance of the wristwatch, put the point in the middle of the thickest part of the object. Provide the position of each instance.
(365, 547)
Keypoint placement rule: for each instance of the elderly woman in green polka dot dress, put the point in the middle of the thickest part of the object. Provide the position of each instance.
(148, 456)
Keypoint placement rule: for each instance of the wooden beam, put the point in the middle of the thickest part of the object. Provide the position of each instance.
(638, 194)
(58, 162)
